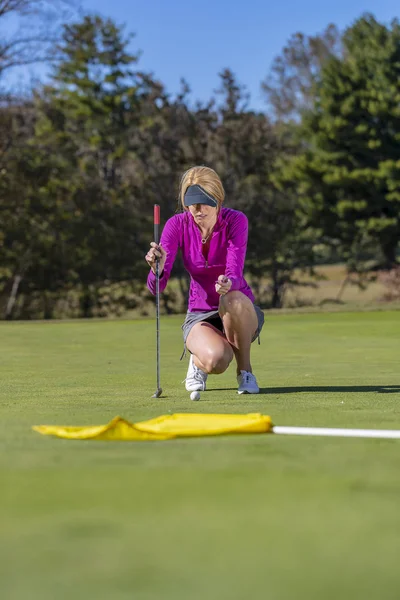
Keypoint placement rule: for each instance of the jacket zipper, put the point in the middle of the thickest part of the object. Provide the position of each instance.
(208, 250)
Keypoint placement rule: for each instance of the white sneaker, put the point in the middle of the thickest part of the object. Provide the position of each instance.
(247, 383)
(195, 378)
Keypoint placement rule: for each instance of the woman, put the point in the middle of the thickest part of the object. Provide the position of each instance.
(222, 320)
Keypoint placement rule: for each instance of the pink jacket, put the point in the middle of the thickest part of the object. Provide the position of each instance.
(226, 256)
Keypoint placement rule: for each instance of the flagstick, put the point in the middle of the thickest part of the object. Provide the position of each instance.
(352, 433)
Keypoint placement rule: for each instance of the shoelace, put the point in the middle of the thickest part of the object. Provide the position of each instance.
(198, 375)
(247, 377)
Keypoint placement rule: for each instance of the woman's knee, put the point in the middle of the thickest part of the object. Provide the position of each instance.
(234, 302)
(217, 360)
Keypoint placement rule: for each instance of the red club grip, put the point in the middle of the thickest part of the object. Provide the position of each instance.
(157, 223)
(156, 214)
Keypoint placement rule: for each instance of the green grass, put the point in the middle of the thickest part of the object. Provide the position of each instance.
(235, 517)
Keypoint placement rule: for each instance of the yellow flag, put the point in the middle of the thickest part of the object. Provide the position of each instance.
(164, 427)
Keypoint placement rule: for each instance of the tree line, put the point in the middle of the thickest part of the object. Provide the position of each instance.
(84, 157)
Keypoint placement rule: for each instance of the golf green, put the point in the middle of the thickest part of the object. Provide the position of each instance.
(234, 517)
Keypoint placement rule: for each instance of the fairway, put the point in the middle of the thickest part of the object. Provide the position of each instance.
(235, 517)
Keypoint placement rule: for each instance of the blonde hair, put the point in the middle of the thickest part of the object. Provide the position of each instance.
(208, 179)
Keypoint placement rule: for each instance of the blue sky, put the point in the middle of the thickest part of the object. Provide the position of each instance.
(198, 39)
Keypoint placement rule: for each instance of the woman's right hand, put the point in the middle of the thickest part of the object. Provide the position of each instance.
(156, 251)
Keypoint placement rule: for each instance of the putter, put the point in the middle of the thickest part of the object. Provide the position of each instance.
(158, 391)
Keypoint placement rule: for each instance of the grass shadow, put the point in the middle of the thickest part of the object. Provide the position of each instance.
(328, 389)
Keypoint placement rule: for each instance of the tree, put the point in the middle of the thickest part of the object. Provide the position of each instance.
(16, 128)
(289, 88)
(247, 150)
(29, 30)
(348, 174)
(78, 220)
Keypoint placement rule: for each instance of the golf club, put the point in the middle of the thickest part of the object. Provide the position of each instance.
(158, 391)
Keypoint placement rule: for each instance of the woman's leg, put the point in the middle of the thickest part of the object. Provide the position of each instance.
(240, 325)
(211, 351)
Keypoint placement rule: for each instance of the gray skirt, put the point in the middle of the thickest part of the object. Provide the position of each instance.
(213, 318)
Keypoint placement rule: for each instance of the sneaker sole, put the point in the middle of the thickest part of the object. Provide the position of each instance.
(247, 392)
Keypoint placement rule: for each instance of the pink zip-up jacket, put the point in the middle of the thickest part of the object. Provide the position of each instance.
(226, 256)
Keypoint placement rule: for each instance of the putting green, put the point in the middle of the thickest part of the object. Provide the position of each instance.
(232, 517)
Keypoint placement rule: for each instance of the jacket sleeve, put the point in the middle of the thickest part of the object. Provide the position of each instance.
(237, 246)
(170, 242)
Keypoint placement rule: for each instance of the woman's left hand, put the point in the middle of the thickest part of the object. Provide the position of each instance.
(223, 285)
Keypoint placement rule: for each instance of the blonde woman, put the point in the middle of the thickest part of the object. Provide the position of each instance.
(222, 320)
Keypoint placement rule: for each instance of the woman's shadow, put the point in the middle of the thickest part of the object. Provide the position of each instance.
(327, 389)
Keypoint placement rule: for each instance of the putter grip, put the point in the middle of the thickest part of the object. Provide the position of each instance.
(157, 223)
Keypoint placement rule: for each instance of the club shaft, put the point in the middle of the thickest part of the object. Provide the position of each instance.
(158, 322)
(157, 241)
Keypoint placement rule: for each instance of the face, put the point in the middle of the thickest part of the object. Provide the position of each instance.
(204, 215)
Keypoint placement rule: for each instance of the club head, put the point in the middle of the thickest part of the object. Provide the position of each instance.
(157, 393)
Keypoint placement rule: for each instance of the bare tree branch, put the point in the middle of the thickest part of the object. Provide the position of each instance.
(39, 28)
